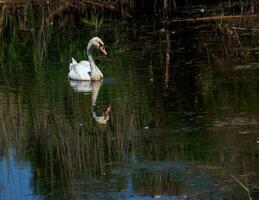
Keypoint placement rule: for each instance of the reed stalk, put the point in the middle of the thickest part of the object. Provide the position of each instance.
(245, 187)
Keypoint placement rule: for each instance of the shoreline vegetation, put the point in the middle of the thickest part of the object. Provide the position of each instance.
(31, 16)
(153, 9)
(35, 15)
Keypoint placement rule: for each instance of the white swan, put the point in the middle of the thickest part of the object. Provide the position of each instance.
(87, 70)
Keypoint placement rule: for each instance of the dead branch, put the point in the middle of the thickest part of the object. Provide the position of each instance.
(245, 29)
(209, 18)
(107, 5)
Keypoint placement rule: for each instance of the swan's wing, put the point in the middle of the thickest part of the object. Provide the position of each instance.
(80, 71)
(72, 63)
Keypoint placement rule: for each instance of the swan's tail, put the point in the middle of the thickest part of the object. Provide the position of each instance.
(72, 63)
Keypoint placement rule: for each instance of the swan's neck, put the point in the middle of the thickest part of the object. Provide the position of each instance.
(96, 74)
(90, 54)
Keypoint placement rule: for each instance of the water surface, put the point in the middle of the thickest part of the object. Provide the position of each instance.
(184, 116)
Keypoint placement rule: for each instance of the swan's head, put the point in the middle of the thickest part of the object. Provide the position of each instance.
(98, 44)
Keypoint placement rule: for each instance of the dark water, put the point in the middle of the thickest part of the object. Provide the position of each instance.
(184, 119)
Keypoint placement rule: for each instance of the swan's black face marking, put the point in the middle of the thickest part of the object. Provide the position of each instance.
(90, 73)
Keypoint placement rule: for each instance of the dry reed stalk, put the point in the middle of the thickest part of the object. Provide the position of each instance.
(113, 6)
(2, 15)
(209, 18)
(245, 29)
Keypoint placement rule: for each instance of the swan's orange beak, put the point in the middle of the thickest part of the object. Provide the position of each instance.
(102, 49)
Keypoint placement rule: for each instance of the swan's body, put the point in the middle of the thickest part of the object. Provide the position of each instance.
(79, 71)
(87, 70)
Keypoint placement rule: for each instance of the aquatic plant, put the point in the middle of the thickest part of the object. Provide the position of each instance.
(245, 187)
(94, 21)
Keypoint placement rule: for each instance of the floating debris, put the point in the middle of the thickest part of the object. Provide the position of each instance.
(243, 132)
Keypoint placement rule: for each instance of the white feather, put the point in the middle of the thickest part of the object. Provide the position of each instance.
(80, 71)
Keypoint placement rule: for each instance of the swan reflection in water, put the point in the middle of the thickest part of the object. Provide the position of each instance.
(92, 87)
